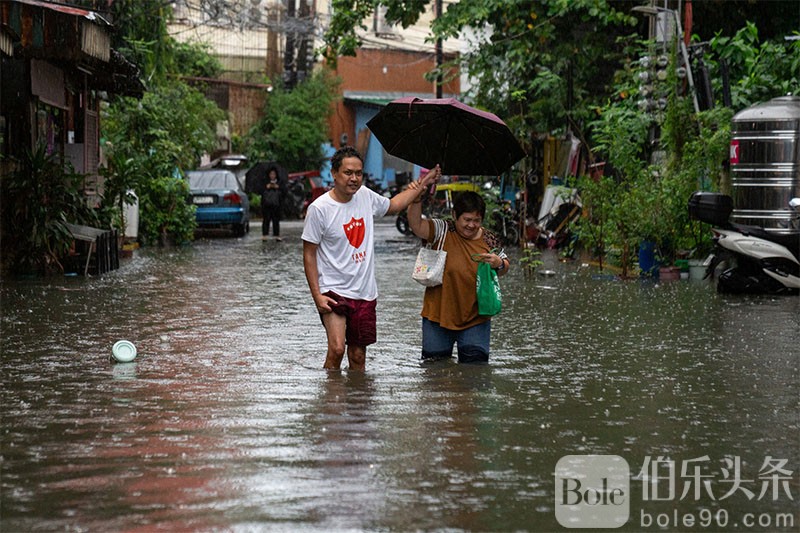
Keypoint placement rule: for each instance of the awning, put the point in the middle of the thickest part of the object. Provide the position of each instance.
(379, 99)
(54, 31)
(377, 102)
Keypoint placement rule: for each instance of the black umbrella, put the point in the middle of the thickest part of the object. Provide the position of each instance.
(460, 138)
(256, 177)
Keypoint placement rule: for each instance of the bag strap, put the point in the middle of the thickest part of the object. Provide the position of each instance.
(441, 232)
(431, 240)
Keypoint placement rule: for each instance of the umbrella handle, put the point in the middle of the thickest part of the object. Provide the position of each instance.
(415, 99)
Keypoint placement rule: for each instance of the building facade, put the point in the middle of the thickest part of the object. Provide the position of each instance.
(264, 41)
(56, 67)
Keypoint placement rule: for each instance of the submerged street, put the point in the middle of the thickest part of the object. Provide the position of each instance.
(226, 421)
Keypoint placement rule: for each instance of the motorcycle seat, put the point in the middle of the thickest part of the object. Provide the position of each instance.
(790, 242)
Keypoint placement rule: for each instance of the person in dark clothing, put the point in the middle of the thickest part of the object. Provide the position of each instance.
(271, 203)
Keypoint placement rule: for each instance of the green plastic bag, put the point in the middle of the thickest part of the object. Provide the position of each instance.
(490, 299)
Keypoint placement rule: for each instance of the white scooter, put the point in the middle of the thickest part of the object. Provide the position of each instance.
(761, 262)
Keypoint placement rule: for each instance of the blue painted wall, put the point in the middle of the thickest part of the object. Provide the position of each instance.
(325, 169)
(373, 159)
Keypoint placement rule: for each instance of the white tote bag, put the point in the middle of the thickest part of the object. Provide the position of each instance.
(429, 268)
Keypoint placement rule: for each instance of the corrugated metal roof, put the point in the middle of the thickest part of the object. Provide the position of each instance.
(55, 31)
(43, 30)
(69, 10)
(6, 43)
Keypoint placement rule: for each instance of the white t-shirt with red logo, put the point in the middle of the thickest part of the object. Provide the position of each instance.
(344, 233)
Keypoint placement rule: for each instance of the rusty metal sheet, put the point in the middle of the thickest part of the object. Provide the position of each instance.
(56, 31)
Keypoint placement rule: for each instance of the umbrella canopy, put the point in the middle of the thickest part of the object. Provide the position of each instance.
(256, 177)
(460, 138)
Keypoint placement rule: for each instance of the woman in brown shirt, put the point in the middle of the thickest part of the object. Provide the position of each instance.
(450, 310)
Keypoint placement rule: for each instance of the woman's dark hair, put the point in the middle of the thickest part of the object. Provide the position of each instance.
(469, 202)
(341, 153)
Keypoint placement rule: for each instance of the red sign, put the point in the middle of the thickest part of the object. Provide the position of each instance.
(355, 231)
(734, 152)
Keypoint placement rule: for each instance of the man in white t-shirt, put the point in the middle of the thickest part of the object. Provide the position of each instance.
(338, 255)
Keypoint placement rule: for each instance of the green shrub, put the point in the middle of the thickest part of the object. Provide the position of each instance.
(149, 142)
(166, 215)
(38, 199)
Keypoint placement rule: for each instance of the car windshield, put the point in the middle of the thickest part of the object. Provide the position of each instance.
(214, 179)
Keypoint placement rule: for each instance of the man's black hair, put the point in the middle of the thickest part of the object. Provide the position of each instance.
(343, 152)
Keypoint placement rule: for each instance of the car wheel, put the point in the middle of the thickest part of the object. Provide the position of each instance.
(238, 230)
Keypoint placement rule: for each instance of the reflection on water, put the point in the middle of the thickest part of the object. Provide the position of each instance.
(225, 421)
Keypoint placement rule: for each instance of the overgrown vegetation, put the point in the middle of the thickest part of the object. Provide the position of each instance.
(294, 126)
(553, 66)
(149, 143)
(38, 199)
(645, 198)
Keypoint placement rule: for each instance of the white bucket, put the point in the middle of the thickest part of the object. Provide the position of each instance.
(123, 351)
(697, 270)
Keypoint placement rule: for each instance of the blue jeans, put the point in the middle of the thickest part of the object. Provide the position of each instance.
(473, 343)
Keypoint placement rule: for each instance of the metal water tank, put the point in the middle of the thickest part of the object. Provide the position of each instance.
(765, 163)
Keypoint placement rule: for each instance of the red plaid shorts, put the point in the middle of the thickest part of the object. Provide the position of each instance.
(361, 318)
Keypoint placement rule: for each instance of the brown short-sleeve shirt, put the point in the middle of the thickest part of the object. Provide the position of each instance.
(453, 304)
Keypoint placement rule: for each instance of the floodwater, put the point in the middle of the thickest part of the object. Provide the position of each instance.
(226, 422)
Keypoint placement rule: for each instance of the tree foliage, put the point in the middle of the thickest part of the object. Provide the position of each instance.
(149, 142)
(546, 64)
(654, 191)
(141, 36)
(294, 126)
(758, 69)
(172, 118)
(195, 59)
(541, 64)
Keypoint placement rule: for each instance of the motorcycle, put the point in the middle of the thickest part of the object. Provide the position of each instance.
(505, 222)
(759, 261)
(401, 223)
(502, 218)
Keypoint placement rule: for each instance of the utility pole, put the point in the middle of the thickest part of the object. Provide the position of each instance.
(289, 64)
(439, 55)
(273, 66)
(305, 46)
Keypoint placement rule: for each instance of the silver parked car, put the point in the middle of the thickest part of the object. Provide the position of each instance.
(220, 200)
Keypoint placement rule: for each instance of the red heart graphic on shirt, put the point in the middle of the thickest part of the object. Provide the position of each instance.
(355, 231)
